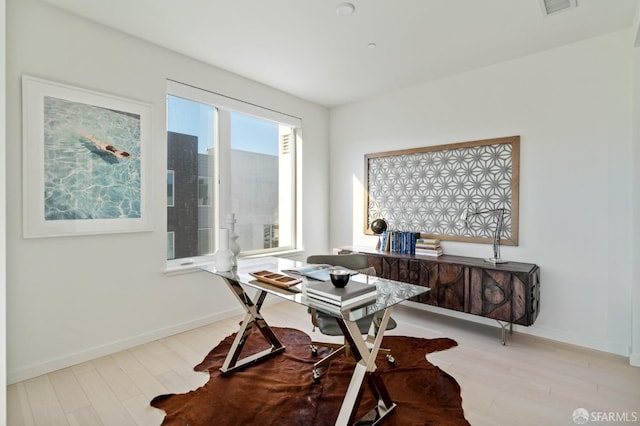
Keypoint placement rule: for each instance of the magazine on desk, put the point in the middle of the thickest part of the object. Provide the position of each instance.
(318, 272)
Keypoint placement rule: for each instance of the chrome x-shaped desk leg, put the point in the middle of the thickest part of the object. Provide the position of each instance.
(253, 316)
(365, 368)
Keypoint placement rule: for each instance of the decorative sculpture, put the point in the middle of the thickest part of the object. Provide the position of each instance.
(499, 214)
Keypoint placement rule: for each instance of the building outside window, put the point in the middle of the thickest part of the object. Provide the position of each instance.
(170, 241)
(204, 199)
(270, 237)
(170, 188)
(249, 152)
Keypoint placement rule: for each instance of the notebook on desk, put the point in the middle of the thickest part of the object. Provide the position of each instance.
(318, 272)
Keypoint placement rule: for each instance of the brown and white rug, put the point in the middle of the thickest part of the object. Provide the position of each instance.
(281, 391)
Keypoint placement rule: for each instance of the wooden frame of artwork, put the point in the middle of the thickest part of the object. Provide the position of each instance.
(430, 189)
(86, 161)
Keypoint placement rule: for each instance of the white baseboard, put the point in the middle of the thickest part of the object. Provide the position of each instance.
(112, 347)
(634, 359)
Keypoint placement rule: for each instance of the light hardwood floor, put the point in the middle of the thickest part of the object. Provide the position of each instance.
(530, 381)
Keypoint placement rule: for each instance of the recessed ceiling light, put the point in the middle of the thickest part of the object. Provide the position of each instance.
(345, 9)
(372, 45)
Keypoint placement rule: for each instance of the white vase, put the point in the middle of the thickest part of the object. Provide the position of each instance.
(233, 243)
(223, 256)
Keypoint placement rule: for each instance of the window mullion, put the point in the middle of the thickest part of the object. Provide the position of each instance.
(223, 147)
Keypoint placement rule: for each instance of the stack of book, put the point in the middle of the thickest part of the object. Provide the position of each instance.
(353, 293)
(428, 247)
(399, 241)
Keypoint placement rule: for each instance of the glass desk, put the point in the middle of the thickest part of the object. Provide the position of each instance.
(389, 293)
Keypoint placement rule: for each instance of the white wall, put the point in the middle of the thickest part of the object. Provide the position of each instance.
(635, 253)
(572, 108)
(65, 303)
(3, 192)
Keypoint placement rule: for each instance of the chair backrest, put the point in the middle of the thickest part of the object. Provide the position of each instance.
(355, 261)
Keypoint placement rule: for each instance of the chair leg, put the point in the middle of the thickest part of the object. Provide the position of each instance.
(328, 345)
(336, 353)
(326, 360)
(314, 346)
(338, 350)
(344, 349)
(390, 359)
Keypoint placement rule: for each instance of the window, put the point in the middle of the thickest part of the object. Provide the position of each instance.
(225, 156)
(190, 140)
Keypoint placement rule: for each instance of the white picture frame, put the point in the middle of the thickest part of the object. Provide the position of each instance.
(86, 161)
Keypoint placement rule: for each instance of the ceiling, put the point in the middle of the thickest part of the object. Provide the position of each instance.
(304, 47)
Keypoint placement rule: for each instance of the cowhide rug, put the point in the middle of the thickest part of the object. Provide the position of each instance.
(281, 391)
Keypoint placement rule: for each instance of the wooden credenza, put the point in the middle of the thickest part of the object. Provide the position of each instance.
(508, 292)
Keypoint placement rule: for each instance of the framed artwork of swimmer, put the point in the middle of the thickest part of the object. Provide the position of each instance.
(86, 161)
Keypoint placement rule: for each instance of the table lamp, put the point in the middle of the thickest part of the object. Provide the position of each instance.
(499, 214)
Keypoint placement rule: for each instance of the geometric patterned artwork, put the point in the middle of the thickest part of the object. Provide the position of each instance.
(430, 189)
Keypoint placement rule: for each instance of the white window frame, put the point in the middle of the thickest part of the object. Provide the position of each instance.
(222, 197)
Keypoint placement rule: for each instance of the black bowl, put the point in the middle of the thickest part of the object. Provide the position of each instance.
(339, 277)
